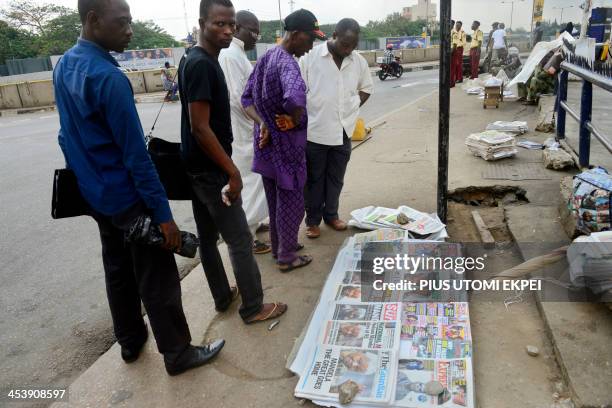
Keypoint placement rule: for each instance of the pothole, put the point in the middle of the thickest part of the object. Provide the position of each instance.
(489, 196)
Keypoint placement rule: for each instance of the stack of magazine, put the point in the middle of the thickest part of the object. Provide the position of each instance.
(395, 351)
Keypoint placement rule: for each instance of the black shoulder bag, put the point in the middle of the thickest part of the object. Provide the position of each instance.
(167, 159)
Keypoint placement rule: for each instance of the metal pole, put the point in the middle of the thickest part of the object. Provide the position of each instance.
(444, 108)
(511, 15)
(586, 105)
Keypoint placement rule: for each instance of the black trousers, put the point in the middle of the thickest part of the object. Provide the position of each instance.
(326, 169)
(212, 217)
(135, 273)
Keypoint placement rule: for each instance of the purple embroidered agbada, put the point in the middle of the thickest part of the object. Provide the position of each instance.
(276, 87)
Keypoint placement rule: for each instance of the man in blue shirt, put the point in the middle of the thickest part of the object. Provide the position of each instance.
(103, 143)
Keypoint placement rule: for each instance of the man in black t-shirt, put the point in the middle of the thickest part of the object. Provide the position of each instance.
(206, 135)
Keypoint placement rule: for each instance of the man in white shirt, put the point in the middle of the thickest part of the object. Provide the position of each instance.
(500, 43)
(237, 69)
(338, 82)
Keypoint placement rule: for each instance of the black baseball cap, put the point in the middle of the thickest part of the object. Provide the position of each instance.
(304, 20)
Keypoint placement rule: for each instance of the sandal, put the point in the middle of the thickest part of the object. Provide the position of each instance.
(300, 262)
(260, 248)
(297, 249)
(235, 295)
(278, 309)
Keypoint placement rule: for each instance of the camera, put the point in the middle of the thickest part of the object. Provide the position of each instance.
(142, 230)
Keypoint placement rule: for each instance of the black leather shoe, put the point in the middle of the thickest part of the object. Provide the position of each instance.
(129, 355)
(194, 356)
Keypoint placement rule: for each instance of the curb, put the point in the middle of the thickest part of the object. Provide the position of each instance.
(21, 111)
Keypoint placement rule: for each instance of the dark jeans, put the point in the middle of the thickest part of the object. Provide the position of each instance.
(326, 168)
(212, 217)
(136, 272)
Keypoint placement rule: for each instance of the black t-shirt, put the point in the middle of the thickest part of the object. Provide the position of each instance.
(201, 79)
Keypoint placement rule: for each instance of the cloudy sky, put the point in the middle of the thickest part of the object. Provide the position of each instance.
(171, 15)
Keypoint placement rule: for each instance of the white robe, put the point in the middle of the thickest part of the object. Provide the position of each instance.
(237, 69)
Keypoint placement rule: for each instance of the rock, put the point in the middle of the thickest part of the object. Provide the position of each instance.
(434, 388)
(348, 390)
(565, 403)
(533, 351)
(557, 159)
(546, 119)
(402, 219)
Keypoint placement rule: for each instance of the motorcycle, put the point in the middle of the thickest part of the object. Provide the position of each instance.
(387, 70)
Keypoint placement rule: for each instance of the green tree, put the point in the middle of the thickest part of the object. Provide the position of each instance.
(60, 34)
(31, 16)
(15, 43)
(147, 34)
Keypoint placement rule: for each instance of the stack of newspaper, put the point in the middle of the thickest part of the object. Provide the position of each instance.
(590, 261)
(396, 352)
(516, 127)
(492, 145)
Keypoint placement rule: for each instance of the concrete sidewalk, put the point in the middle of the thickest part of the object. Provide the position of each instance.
(398, 165)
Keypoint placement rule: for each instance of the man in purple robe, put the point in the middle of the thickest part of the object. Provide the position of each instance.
(275, 98)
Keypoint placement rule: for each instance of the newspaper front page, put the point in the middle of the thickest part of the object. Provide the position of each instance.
(454, 375)
(373, 370)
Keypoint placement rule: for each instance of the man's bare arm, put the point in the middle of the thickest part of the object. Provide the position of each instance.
(199, 114)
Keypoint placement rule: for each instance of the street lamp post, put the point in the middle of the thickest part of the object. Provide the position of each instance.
(562, 9)
(511, 12)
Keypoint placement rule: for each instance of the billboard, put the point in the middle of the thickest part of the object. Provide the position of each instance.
(538, 10)
(144, 59)
(415, 41)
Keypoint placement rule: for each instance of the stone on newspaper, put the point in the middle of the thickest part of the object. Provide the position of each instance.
(557, 159)
(533, 351)
(348, 390)
(434, 388)
(402, 219)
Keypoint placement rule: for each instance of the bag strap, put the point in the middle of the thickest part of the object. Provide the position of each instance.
(149, 135)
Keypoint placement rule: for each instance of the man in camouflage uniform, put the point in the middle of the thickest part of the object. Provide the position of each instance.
(542, 81)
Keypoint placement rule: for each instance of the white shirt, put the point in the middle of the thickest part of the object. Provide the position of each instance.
(237, 69)
(498, 39)
(333, 94)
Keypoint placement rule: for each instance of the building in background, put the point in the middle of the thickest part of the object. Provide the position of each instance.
(423, 10)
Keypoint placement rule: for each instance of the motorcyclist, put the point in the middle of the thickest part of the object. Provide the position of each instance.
(390, 59)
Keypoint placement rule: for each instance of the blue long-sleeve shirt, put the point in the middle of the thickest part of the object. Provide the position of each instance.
(101, 135)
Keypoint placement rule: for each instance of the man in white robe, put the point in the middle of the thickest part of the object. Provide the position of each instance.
(237, 69)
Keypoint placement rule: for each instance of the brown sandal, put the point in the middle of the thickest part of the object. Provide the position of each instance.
(300, 262)
(278, 309)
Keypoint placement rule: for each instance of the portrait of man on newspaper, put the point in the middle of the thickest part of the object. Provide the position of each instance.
(358, 366)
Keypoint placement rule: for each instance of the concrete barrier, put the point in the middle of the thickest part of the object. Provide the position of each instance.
(152, 80)
(370, 57)
(413, 55)
(138, 82)
(9, 97)
(432, 54)
(36, 93)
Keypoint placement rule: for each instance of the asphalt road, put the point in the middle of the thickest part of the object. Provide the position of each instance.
(54, 319)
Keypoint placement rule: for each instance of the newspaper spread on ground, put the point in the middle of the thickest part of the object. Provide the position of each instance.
(373, 370)
(368, 335)
(454, 376)
(367, 312)
(390, 346)
(419, 224)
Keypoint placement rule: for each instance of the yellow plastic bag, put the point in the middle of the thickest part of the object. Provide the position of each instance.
(360, 131)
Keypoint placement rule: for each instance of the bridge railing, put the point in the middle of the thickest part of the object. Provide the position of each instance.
(589, 79)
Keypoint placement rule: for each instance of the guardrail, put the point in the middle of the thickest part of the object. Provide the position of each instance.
(587, 128)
